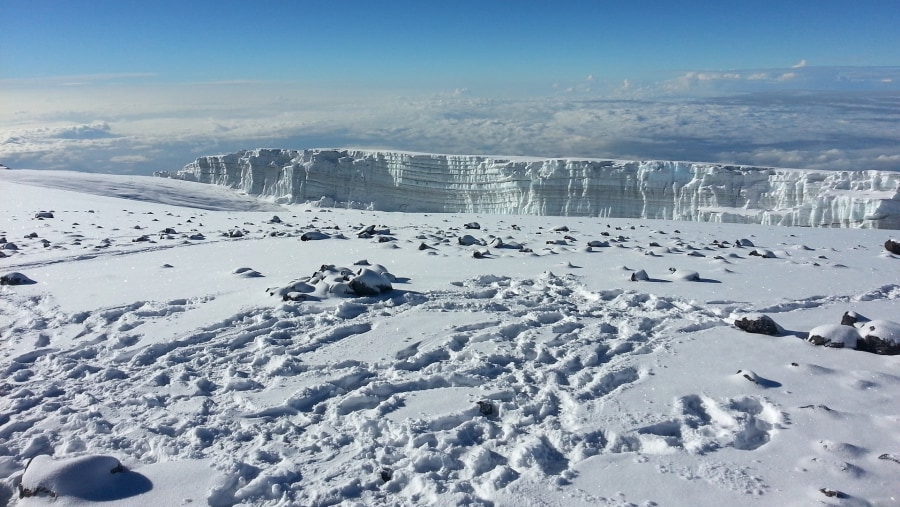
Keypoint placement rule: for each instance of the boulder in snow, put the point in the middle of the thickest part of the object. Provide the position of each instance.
(892, 246)
(15, 278)
(469, 240)
(834, 335)
(879, 337)
(247, 272)
(369, 282)
(313, 236)
(685, 275)
(761, 252)
(758, 324)
(639, 276)
(851, 318)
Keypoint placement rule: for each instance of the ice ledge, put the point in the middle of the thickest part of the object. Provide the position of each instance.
(430, 183)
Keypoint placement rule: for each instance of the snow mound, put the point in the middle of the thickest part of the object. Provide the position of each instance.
(93, 478)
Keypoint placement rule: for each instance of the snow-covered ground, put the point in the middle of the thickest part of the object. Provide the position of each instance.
(172, 355)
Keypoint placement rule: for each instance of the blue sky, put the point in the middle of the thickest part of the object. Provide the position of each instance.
(119, 86)
(462, 41)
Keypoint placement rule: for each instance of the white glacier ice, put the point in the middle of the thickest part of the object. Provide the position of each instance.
(430, 183)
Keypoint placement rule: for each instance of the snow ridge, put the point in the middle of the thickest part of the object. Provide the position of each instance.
(431, 183)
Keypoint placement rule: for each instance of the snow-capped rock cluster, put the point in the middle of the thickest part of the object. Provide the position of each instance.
(330, 280)
(858, 332)
(397, 181)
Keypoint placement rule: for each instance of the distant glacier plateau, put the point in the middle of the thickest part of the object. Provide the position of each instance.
(432, 183)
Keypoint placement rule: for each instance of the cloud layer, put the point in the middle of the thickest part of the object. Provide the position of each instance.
(776, 117)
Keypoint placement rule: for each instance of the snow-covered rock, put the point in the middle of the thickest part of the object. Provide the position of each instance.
(880, 337)
(398, 181)
(369, 282)
(90, 478)
(330, 281)
(834, 335)
(639, 276)
(684, 275)
(313, 236)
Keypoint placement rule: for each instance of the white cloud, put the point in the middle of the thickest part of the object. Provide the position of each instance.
(799, 65)
(121, 129)
(129, 159)
(798, 77)
(78, 79)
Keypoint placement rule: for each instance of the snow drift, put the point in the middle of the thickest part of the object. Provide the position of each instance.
(428, 183)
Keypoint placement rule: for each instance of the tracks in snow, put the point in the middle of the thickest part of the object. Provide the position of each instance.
(336, 395)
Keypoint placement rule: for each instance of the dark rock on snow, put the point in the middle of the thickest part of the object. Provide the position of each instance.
(761, 324)
(313, 236)
(15, 279)
(892, 246)
(851, 318)
(468, 240)
(765, 254)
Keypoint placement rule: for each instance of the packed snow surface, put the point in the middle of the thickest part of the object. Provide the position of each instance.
(176, 354)
(428, 183)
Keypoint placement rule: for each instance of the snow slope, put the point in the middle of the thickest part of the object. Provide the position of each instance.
(426, 183)
(532, 373)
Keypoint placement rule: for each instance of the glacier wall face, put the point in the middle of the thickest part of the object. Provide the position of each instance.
(424, 183)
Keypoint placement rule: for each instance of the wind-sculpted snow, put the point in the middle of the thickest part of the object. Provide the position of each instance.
(426, 183)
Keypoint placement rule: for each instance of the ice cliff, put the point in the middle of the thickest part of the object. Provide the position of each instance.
(413, 182)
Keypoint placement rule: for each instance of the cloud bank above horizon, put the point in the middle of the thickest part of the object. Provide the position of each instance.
(815, 86)
(117, 127)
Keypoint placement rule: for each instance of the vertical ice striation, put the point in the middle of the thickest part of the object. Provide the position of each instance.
(414, 182)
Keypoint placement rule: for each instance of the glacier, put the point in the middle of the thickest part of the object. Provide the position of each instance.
(433, 183)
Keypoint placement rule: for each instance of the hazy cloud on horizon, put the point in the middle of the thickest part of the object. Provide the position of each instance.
(800, 116)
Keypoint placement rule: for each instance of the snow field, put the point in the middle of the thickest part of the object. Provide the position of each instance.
(518, 378)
